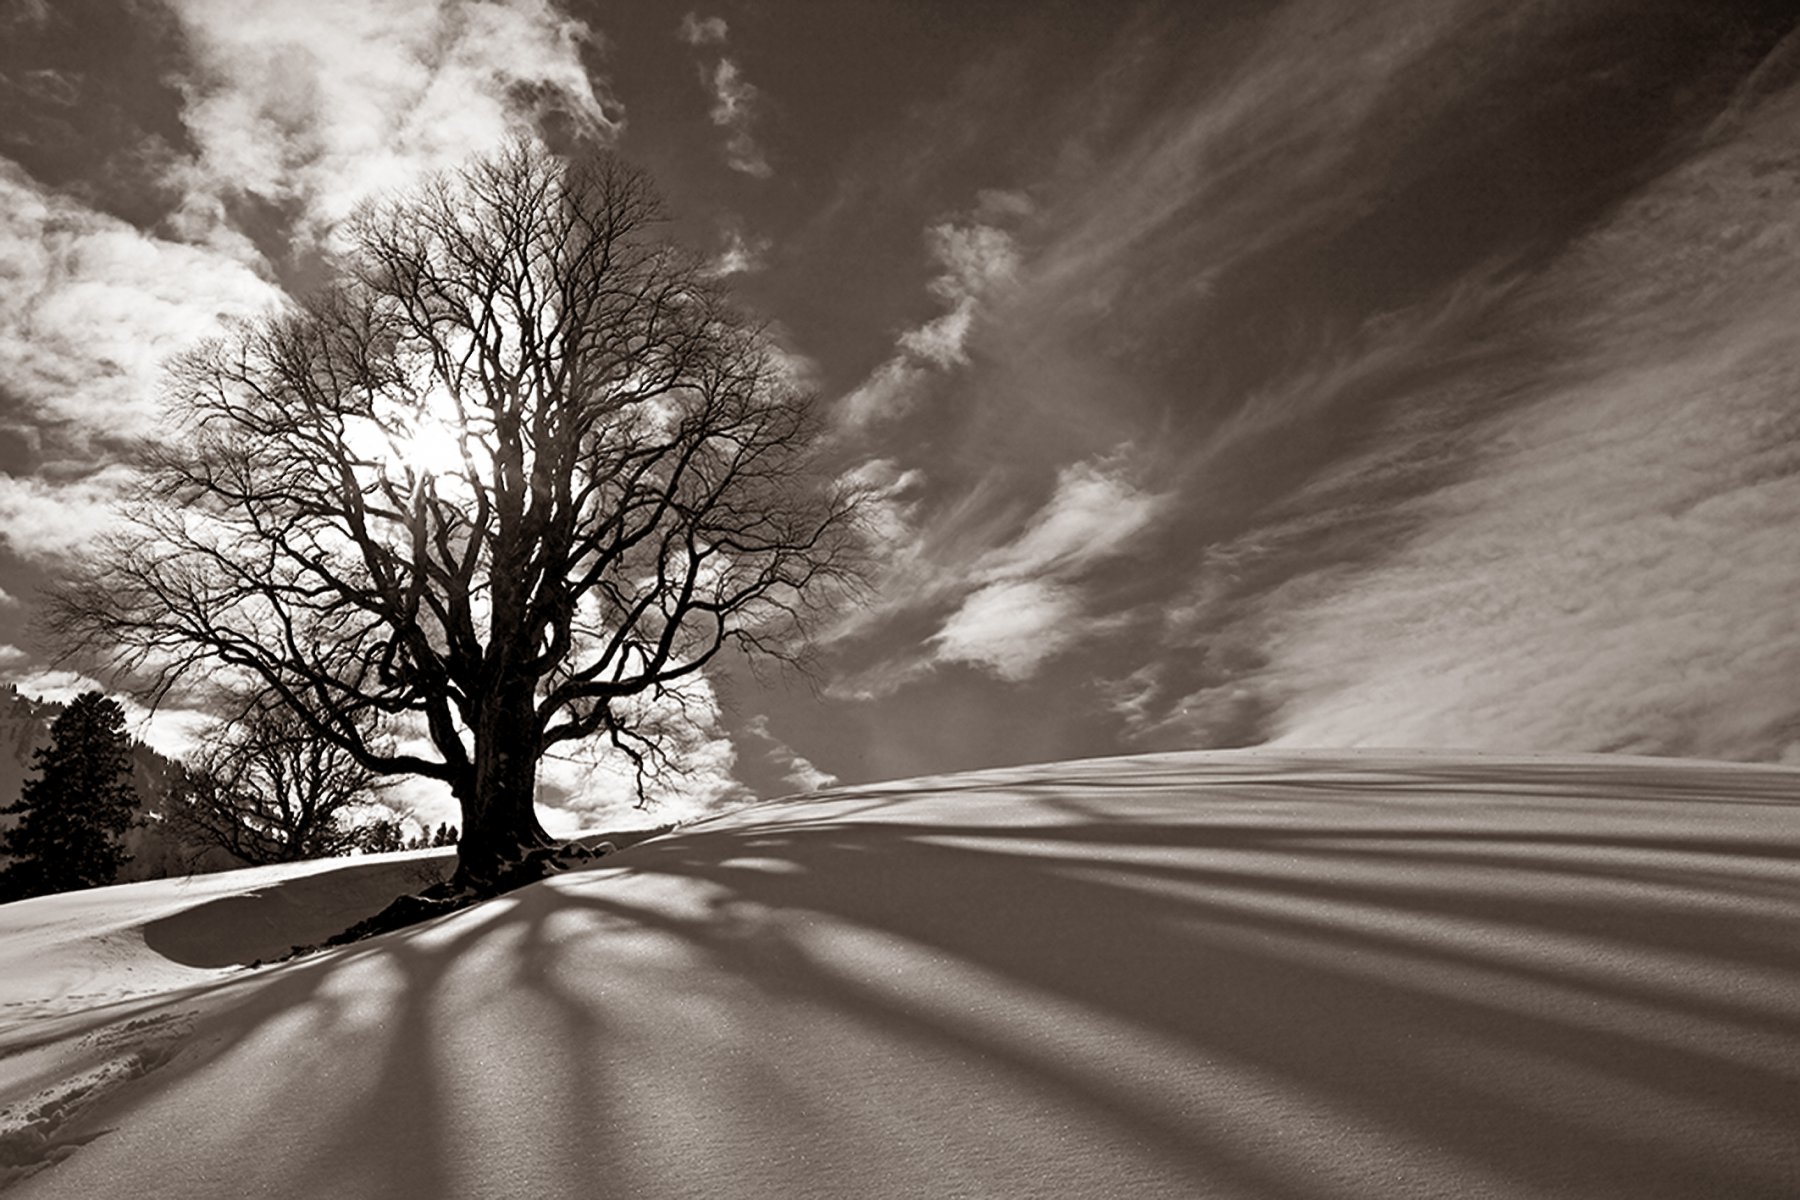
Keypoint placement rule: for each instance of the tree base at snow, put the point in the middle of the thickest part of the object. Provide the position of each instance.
(450, 896)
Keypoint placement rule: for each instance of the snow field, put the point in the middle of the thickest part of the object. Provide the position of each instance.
(1248, 974)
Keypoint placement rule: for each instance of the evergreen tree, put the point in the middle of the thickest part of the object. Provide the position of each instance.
(383, 836)
(73, 815)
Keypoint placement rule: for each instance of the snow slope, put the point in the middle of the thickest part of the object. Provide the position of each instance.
(1231, 974)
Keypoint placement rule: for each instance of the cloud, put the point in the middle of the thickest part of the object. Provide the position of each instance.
(890, 495)
(976, 264)
(1581, 541)
(11, 656)
(1093, 515)
(308, 108)
(735, 101)
(1280, 146)
(696, 31)
(796, 770)
(1027, 608)
(1012, 603)
(92, 307)
(977, 260)
(890, 391)
(1617, 578)
(43, 521)
(1010, 627)
(593, 785)
(734, 110)
(171, 731)
(27, 14)
(316, 107)
(742, 254)
(59, 88)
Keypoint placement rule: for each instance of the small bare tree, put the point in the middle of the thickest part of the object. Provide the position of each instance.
(265, 789)
(515, 479)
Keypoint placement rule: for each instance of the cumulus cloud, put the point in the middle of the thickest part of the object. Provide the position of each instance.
(171, 730)
(308, 108)
(1011, 627)
(92, 307)
(90, 310)
(43, 521)
(591, 785)
(318, 106)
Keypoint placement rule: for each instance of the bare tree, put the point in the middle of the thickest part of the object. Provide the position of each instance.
(266, 789)
(513, 480)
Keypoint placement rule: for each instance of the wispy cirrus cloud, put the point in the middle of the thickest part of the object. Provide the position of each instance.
(1459, 437)
(736, 102)
(1028, 604)
(1008, 606)
(795, 769)
(1580, 541)
(696, 30)
(743, 253)
(977, 264)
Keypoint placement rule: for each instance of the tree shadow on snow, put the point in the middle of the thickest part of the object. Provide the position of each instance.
(1389, 997)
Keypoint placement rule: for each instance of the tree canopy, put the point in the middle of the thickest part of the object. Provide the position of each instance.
(515, 478)
(265, 789)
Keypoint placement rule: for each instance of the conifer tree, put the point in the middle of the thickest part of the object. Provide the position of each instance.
(72, 816)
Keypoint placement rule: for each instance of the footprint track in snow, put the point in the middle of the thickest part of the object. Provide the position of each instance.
(39, 1131)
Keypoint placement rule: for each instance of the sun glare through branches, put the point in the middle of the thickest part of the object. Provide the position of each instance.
(427, 436)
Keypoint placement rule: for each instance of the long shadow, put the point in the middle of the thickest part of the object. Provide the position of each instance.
(269, 923)
(1346, 1007)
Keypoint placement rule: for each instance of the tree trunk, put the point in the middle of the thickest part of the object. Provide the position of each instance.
(499, 811)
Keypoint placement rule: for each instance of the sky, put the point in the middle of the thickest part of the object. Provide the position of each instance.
(1407, 373)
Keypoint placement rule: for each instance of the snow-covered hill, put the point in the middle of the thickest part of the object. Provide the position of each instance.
(1233, 974)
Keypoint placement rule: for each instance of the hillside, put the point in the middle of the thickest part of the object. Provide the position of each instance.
(24, 727)
(1238, 974)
